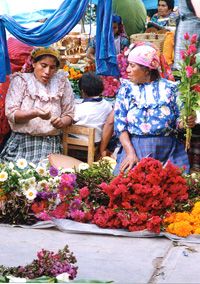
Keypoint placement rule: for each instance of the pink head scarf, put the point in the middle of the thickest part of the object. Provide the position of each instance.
(145, 55)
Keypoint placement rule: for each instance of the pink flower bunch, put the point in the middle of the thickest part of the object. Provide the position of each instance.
(111, 86)
(67, 183)
(122, 64)
(49, 264)
(189, 82)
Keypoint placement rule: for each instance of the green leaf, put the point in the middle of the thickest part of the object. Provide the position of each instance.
(3, 279)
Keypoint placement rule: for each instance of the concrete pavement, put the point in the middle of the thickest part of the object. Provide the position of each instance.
(121, 259)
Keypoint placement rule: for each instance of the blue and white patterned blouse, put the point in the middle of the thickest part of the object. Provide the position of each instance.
(147, 109)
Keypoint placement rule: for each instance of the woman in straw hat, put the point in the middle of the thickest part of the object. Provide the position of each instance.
(38, 105)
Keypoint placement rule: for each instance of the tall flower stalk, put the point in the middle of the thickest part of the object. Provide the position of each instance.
(189, 86)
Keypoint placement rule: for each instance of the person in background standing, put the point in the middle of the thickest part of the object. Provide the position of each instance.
(133, 14)
(120, 38)
(188, 22)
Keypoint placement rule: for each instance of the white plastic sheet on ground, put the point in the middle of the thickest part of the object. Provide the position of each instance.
(69, 226)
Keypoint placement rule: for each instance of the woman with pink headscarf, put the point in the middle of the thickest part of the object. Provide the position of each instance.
(146, 115)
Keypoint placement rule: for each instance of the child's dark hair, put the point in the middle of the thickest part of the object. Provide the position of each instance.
(170, 4)
(91, 84)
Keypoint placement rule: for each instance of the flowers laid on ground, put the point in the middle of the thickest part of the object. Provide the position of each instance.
(184, 224)
(189, 86)
(140, 199)
(48, 267)
(186, 218)
(29, 193)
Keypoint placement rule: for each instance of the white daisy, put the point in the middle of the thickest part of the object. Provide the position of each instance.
(31, 181)
(14, 172)
(42, 184)
(41, 171)
(21, 164)
(30, 193)
(67, 170)
(32, 165)
(83, 166)
(11, 166)
(3, 176)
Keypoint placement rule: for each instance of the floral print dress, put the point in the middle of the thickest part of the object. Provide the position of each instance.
(150, 114)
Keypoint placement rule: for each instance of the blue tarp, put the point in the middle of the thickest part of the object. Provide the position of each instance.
(60, 23)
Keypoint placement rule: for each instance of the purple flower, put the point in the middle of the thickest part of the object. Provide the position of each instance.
(75, 204)
(53, 171)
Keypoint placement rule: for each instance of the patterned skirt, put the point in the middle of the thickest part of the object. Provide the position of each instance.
(32, 148)
(165, 148)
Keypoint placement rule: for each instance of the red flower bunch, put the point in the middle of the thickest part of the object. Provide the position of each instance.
(140, 199)
(111, 86)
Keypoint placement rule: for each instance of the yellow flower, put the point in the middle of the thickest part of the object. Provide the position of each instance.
(197, 231)
(181, 229)
(196, 208)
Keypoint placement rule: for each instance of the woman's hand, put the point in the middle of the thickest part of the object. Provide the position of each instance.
(129, 161)
(57, 122)
(43, 114)
(190, 122)
(105, 153)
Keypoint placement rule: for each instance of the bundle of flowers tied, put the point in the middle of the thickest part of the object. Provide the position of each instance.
(189, 85)
(138, 200)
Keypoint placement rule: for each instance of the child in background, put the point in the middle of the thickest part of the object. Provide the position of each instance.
(93, 110)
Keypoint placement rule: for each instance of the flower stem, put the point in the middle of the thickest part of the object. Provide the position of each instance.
(187, 114)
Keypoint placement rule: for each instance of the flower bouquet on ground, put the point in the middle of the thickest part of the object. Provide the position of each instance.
(140, 199)
(27, 191)
(189, 86)
(48, 267)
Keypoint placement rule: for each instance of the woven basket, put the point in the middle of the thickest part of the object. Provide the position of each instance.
(156, 39)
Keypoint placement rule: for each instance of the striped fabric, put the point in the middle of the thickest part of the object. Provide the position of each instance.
(161, 148)
(32, 148)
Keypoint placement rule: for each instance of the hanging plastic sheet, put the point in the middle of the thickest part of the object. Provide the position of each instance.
(62, 21)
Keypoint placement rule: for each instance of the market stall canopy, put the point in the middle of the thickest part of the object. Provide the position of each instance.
(57, 25)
